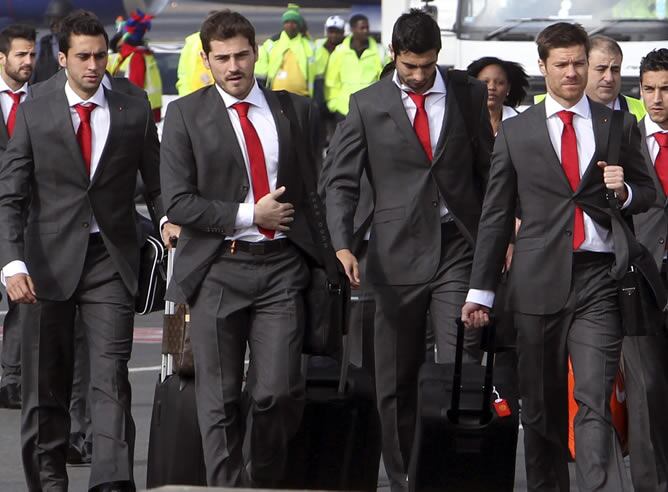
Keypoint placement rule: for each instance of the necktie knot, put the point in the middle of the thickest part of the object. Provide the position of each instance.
(418, 99)
(84, 111)
(662, 139)
(16, 96)
(566, 117)
(242, 109)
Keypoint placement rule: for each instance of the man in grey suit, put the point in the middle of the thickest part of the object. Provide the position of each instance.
(646, 358)
(230, 178)
(428, 177)
(72, 162)
(80, 447)
(552, 160)
(17, 59)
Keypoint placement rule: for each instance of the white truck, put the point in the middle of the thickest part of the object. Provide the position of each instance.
(471, 29)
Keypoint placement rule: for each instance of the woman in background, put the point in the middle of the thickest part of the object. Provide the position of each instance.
(507, 84)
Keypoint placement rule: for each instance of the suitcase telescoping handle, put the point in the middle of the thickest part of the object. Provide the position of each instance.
(167, 360)
(489, 340)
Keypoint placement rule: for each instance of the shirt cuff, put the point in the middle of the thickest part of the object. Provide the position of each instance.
(245, 216)
(482, 297)
(163, 221)
(628, 199)
(11, 269)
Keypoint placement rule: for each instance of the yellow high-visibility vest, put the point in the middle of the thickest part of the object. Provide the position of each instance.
(347, 73)
(152, 79)
(192, 73)
(272, 52)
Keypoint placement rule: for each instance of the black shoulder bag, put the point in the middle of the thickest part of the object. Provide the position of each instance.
(642, 297)
(328, 296)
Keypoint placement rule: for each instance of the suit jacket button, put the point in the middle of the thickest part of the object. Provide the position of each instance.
(85, 225)
(434, 203)
(569, 233)
(661, 240)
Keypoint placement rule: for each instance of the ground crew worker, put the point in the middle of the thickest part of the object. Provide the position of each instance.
(355, 64)
(287, 60)
(135, 61)
(604, 77)
(335, 32)
(192, 74)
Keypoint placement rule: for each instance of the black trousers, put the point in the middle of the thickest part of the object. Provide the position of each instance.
(588, 329)
(106, 310)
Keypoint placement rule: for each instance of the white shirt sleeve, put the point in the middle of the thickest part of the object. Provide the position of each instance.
(482, 297)
(245, 216)
(12, 268)
(629, 198)
(163, 221)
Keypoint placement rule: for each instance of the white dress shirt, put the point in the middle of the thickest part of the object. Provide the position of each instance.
(6, 102)
(99, 121)
(261, 117)
(508, 113)
(597, 238)
(434, 106)
(650, 129)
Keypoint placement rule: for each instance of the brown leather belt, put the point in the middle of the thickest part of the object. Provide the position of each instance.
(257, 248)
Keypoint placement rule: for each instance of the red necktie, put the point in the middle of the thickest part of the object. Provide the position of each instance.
(84, 133)
(258, 167)
(571, 165)
(11, 119)
(421, 123)
(661, 162)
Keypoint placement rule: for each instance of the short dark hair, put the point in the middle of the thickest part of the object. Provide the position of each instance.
(605, 43)
(357, 18)
(80, 23)
(517, 77)
(561, 35)
(223, 25)
(417, 32)
(654, 61)
(15, 31)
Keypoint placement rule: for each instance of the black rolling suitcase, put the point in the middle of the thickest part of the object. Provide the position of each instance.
(462, 442)
(338, 444)
(175, 455)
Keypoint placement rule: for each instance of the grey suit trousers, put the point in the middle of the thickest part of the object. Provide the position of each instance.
(106, 310)
(79, 404)
(11, 346)
(646, 379)
(588, 329)
(255, 301)
(400, 325)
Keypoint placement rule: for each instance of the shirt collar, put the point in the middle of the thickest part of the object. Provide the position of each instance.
(4, 87)
(437, 88)
(255, 97)
(106, 81)
(581, 108)
(651, 127)
(73, 99)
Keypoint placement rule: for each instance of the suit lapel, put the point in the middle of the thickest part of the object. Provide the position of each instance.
(62, 120)
(661, 195)
(600, 120)
(395, 108)
(116, 124)
(284, 137)
(217, 117)
(450, 103)
(537, 131)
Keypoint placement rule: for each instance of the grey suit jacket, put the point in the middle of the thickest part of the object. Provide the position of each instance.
(204, 180)
(364, 210)
(526, 169)
(57, 81)
(405, 238)
(651, 227)
(43, 166)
